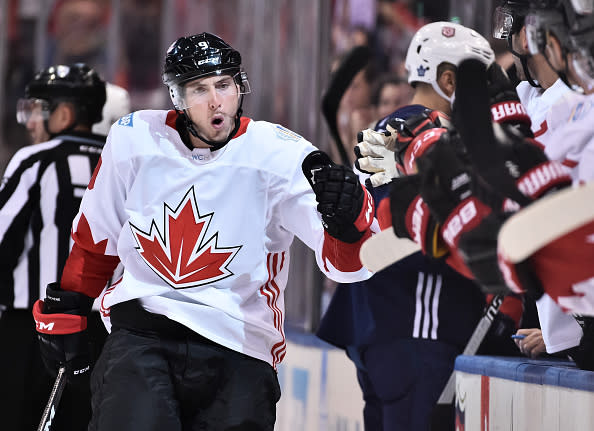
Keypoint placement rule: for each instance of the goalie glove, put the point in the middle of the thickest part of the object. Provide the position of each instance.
(61, 324)
(345, 205)
(375, 156)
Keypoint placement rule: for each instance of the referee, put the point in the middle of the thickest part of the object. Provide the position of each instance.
(39, 196)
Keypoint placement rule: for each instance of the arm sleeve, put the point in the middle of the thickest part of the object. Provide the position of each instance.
(97, 226)
(339, 261)
(15, 213)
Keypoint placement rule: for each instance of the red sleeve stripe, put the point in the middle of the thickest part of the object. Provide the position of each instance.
(271, 292)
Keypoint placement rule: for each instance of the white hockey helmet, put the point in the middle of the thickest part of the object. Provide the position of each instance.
(440, 42)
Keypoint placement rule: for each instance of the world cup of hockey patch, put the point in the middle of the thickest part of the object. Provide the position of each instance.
(126, 120)
(286, 134)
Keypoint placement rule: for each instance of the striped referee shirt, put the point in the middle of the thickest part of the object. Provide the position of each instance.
(40, 194)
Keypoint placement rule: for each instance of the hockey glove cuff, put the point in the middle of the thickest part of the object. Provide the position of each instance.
(61, 324)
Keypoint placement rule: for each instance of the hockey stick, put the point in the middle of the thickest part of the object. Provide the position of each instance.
(472, 346)
(52, 404)
(385, 248)
(443, 414)
(472, 118)
(545, 221)
(356, 60)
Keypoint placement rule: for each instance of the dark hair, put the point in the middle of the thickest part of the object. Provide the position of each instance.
(383, 81)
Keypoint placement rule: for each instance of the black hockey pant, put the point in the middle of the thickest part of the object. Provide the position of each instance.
(173, 379)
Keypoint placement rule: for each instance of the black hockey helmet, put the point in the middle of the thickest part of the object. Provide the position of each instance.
(199, 56)
(508, 19)
(77, 83)
(572, 23)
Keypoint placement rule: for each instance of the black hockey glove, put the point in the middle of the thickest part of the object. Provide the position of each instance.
(506, 108)
(61, 323)
(411, 217)
(408, 131)
(456, 198)
(346, 207)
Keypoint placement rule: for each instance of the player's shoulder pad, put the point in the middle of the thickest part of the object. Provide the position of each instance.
(401, 113)
(286, 134)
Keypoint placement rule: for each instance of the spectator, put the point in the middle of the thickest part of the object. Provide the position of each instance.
(390, 93)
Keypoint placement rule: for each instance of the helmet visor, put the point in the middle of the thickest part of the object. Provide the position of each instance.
(535, 33)
(32, 110)
(196, 92)
(503, 21)
(583, 66)
(583, 7)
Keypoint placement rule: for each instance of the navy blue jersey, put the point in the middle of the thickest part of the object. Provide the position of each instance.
(417, 297)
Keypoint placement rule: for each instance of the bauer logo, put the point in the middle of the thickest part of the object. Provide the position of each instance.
(126, 120)
(286, 134)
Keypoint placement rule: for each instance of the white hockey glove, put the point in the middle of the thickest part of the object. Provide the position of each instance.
(375, 156)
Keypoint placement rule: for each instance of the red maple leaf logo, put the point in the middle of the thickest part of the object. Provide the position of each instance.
(181, 256)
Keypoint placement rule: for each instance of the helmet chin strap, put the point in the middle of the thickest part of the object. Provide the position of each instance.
(439, 91)
(214, 145)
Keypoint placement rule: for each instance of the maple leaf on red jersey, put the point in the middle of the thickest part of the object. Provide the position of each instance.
(182, 256)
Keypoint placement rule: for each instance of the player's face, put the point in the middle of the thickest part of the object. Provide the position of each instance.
(212, 104)
(393, 97)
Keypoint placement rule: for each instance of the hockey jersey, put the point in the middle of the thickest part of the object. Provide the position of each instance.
(569, 138)
(560, 331)
(416, 297)
(203, 235)
(41, 191)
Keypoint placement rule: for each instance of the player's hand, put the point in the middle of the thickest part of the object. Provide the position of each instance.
(345, 205)
(411, 217)
(463, 207)
(506, 108)
(532, 345)
(61, 324)
(408, 141)
(375, 156)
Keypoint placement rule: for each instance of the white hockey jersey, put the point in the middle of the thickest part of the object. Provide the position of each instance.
(566, 132)
(204, 236)
(560, 331)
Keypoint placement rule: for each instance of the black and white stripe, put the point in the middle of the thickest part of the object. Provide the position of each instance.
(426, 321)
(41, 192)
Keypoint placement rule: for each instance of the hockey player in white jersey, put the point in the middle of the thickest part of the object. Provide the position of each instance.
(200, 204)
(563, 31)
(543, 94)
